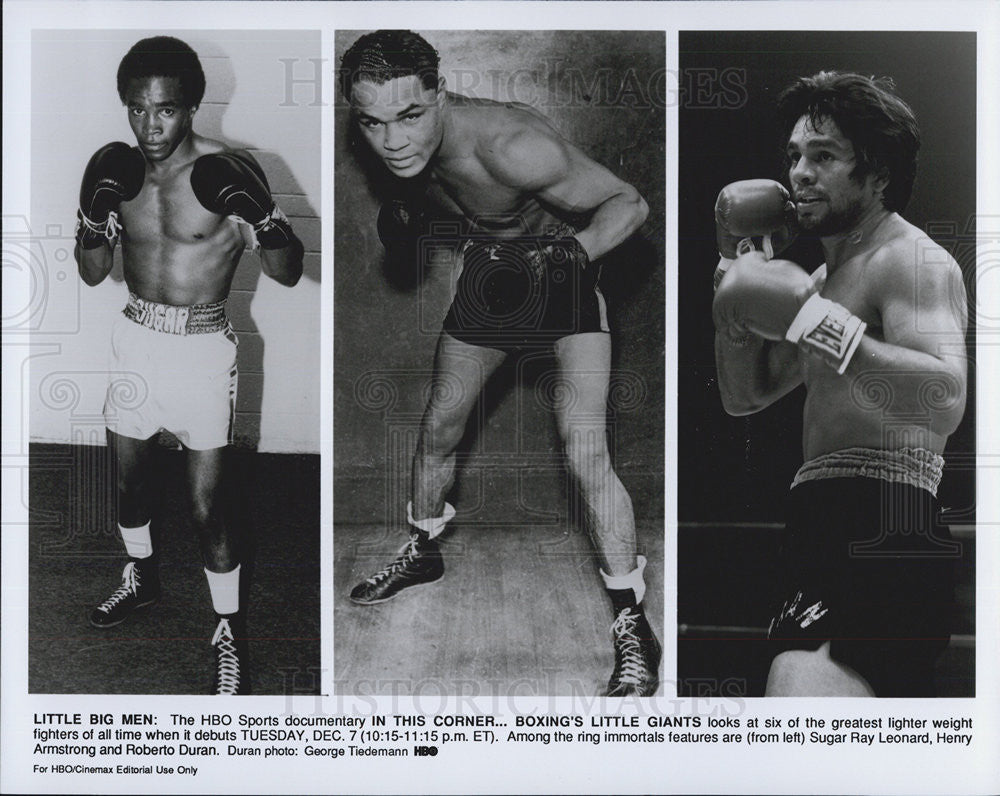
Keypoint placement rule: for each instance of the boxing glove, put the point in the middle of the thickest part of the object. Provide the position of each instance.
(778, 300)
(400, 226)
(748, 209)
(114, 174)
(230, 184)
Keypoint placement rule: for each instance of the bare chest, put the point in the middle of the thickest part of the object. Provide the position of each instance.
(471, 192)
(166, 210)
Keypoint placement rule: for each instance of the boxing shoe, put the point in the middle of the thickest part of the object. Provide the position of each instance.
(637, 656)
(230, 676)
(419, 562)
(140, 588)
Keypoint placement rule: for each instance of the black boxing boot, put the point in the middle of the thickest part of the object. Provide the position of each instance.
(140, 588)
(637, 654)
(231, 674)
(419, 562)
(637, 651)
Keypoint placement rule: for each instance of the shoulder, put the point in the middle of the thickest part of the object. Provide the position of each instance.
(210, 146)
(910, 267)
(910, 252)
(521, 148)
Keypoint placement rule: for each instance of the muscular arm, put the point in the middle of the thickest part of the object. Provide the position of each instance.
(922, 357)
(94, 264)
(535, 159)
(757, 372)
(754, 375)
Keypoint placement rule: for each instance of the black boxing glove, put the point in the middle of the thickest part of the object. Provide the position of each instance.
(400, 227)
(115, 174)
(231, 184)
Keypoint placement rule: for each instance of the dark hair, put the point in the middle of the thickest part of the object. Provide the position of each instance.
(386, 54)
(163, 56)
(868, 112)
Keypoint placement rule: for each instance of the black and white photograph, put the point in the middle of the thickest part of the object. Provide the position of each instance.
(826, 478)
(174, 467)
(500, 397)
(498, 362)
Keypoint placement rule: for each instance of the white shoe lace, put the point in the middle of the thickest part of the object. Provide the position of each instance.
(129, 587)
(406, 554)
(227, 659)
(629, 648)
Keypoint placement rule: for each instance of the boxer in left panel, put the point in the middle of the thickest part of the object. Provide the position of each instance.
(183, 207)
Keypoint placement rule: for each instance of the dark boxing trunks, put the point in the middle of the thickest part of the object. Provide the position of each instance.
(514, 293)
(867, 566)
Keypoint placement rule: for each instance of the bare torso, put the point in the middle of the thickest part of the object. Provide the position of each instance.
(860, 412)
(461, 184)
(174, 250)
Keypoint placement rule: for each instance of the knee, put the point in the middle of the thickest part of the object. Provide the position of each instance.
(204, 513)
(131, 488)
(786, 671)
(439, 437)
(813, 673)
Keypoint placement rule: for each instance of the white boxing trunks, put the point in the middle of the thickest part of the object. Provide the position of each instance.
(172, 368)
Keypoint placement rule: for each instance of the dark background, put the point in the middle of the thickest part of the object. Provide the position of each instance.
(733, 473)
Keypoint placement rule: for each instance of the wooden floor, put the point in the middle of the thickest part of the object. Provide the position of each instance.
(520, 611)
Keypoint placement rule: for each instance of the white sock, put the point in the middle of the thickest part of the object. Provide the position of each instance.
(138, 543)
(225, 589)
(432, 525)
(633, 580)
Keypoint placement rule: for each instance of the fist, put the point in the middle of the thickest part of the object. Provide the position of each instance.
(754, 208)
(228, 183)
(114, 175)
(762, 296)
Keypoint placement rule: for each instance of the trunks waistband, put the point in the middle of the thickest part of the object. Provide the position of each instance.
(917, 467)
(179, 320)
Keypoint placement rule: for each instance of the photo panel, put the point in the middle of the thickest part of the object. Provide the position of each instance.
(521, 608)
(735, 470)
(245, 371)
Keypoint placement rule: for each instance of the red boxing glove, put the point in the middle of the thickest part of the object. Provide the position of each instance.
(761, 295)
(748, 209)
(115, 174)
(778, 300)
(230, 184)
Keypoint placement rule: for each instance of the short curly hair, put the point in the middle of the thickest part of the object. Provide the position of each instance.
(879, 124)
(163, 56)
(386, 54)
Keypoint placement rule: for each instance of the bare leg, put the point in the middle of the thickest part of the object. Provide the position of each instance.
(581, 414)
(135, 464)
(460, 372)
(814, 673)
(219, 550)
(581, 400)
(205, 487)
(140, 585)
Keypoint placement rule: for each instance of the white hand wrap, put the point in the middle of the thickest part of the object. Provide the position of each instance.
(109, 228)
(745, 246)
(828, 330)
